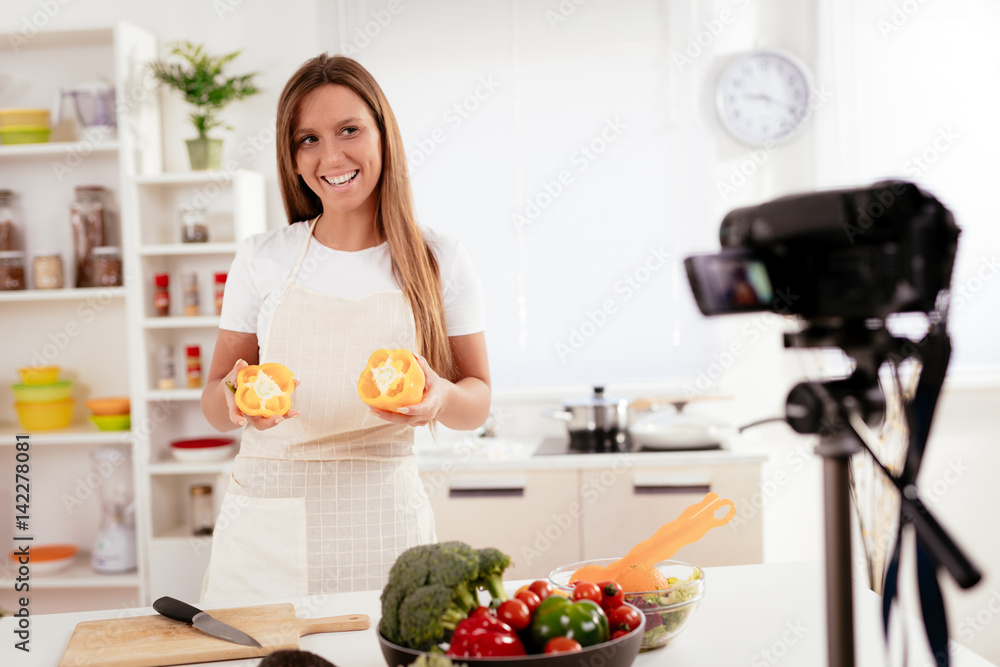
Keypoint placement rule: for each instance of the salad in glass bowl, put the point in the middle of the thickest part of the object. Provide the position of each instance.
(680, 589)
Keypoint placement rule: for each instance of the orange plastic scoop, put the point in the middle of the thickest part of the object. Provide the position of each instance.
(689, 527)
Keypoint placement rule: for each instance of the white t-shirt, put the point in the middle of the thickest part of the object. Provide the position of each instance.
(264, 261)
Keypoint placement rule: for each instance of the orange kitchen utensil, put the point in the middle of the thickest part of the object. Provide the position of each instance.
(689, 527)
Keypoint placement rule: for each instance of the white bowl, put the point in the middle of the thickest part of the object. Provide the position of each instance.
(203, 450)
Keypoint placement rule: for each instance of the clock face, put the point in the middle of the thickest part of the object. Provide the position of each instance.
(763, 97)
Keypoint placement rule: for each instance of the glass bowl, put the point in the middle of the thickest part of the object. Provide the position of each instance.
(667, 611)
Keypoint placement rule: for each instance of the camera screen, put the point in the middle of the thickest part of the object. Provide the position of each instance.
(743, 283)
(730, 282)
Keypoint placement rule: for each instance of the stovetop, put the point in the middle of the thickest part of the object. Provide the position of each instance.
(554, 446)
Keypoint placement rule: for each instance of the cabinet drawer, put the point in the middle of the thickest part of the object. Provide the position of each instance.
(532, 516)
(625, 506)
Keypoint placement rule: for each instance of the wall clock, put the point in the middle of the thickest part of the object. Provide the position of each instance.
(763, 97)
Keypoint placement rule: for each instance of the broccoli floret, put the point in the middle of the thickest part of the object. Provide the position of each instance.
(427, 617)
(409, 573)
(456, 565)
(492, 563)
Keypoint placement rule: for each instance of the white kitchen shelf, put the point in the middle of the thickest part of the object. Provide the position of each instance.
(74, 434)
(47, 39)
(185, 178)
(174, 394)
(185, 249)
(84, 148)
(173, 467)
(66, 294)
(79, 574)
(181, 322)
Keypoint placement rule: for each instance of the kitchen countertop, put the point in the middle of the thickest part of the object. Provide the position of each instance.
(492, 454)
(751, 615)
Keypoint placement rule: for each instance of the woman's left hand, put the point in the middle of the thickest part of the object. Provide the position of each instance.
(422, 413)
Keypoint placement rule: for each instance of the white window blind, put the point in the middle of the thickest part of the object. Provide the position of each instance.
(915, 97)
(549, 142)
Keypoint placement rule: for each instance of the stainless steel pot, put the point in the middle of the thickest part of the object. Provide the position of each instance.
(595, 423)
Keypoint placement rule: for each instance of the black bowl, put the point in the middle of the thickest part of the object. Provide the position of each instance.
(619, 652)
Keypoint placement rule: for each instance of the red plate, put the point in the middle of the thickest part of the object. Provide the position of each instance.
(201, 443)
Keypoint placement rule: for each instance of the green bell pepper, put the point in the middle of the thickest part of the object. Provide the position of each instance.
(557, 616)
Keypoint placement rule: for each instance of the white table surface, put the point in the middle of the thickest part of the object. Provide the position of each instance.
(754, 615)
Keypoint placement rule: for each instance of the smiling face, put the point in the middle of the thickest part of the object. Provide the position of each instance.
(338, 152)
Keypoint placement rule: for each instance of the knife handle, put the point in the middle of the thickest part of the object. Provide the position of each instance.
(175, 609)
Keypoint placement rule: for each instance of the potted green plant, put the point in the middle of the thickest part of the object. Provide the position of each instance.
(202, 80)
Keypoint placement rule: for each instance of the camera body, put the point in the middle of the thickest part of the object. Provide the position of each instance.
(834, 256)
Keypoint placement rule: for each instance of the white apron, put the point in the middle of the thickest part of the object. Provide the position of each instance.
(322, 502)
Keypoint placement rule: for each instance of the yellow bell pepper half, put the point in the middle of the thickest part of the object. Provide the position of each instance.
(392, 379)
(264, 390)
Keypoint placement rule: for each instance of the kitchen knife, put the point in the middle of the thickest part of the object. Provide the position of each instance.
(182, 611)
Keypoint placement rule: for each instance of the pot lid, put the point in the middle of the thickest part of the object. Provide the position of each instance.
(597, 399)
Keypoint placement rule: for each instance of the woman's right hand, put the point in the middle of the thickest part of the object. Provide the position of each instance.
(236, 416)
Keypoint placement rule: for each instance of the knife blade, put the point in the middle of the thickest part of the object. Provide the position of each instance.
(182, 611)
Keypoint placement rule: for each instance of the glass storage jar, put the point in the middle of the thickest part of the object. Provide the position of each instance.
(106, 266)
(48, 270)
(165, 371)
(202, 510)
(191, 294)
(12, 270)
(7, 228)
(194, 228)
(87, 214)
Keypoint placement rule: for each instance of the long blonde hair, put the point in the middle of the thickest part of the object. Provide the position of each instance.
(413, 264)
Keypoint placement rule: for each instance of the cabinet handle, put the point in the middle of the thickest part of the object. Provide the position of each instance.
(689, 482)
(664, 489)
(487, 487)
(486, 493)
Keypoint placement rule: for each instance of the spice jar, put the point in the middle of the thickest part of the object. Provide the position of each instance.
(48, 270)
(165, 367)
(87, 218)
(161, 294)
(6, 220)
(202, 511)
(106, 266)
(193, 366)
(12, 270)
(194, 229)
(220, 288)
(191, 294)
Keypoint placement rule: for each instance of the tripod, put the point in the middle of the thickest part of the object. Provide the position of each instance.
(834, 410)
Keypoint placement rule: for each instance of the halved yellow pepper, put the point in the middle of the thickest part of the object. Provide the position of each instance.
(392, 379)
(264, 390)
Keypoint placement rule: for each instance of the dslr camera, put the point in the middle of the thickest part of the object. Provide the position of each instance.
(831, 257)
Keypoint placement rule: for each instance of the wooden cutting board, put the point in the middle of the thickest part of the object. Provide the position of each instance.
(151, 641)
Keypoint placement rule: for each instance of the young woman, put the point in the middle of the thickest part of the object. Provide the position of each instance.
(325, 497)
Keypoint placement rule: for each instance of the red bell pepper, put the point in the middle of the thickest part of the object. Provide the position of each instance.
(484, 637)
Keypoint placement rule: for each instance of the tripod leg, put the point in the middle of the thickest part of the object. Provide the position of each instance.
(836, 455)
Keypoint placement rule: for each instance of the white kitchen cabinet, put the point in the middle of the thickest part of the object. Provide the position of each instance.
(84, 331)
(531, 515)
(623, 505)
(550, 511)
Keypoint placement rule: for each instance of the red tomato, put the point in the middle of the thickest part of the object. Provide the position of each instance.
(514, 613)
(585, 590)
(562, 645)
(624, 617)
(618, 634)
(541, 588)
(614, 596)
(481, 611)
(530, 599)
